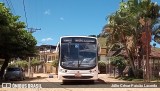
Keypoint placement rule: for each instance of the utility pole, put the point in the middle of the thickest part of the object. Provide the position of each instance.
(32, 30)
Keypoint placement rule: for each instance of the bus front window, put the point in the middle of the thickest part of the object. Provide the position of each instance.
(77, 56)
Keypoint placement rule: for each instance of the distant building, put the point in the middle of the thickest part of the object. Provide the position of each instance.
(154, 61)
(47, 54)
(103, 49)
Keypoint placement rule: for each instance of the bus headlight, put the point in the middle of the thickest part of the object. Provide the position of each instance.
(92, 71)
(63, 70)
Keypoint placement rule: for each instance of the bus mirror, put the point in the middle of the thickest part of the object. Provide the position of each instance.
(57, 48)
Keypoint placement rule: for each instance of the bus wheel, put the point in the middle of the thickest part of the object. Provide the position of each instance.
(65, 81)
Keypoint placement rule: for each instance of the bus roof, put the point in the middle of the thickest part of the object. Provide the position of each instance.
(78, 36)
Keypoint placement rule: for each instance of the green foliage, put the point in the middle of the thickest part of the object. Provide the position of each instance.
(102, 66)
(15, 41)
(24, 63)
(102, 63)
(126, 27)
(118, 61)
(35, 62)
(20, 63)
(55, 63)
(12, 65)
(140, 73)
(125, 21)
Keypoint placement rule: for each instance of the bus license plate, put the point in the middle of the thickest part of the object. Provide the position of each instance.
(77, 74)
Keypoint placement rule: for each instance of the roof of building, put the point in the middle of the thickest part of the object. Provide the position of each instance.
(155, 52)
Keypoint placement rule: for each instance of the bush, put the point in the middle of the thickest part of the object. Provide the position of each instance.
(55, 63)
(130, 72)
(35, 62)
(12, 65)
(140, 73)
(21, 63)
(102, 66)
(118, 62)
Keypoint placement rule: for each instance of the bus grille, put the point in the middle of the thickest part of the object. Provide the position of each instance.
(73, 77)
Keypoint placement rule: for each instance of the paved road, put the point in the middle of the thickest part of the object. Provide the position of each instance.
(81, 86)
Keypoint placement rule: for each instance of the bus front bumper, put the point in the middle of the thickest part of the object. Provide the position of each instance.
(69, 76)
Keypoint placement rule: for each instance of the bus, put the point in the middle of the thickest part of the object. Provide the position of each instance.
(78, 57)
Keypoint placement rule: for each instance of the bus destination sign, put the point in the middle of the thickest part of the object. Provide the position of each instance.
(78, 40)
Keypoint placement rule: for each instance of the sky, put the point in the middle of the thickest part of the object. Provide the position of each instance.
(58, 18)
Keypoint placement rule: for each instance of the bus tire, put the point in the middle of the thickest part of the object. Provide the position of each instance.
(64, 81)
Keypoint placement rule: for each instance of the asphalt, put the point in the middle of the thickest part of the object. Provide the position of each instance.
(102, 77)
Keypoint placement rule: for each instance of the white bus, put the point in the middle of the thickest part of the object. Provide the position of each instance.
(78, 58)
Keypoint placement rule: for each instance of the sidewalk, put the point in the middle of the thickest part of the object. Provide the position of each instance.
(44, 75)
(108, 78)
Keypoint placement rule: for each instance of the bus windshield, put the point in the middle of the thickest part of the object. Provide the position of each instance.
(78, 55)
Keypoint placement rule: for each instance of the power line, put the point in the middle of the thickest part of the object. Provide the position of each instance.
(12, 6)
(8, 4)
(25, 13)
(31, 30)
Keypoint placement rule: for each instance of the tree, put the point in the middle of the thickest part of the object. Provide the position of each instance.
(20, 63)
(126, 28)
(119, 62)
(35, 62)
(102, 66)
(55, 64)
(15, 41)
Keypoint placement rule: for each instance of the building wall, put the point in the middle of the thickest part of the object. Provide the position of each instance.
(48, 58)
(103, 57)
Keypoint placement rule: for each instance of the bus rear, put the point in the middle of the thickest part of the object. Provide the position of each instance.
(78, 58)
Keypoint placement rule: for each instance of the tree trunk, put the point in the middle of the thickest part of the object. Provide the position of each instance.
(131, 62)
(5, 64)
(130, 56)
(56, 70)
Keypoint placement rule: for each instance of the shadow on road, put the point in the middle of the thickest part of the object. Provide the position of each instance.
(83, 82)
(26, 80)
(34, 78)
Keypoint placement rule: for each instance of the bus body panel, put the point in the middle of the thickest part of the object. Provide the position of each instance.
(77, 74)
(92, 74)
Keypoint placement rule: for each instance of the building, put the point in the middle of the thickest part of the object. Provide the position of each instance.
(47, 54)
(154, 62)
(103, 49)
